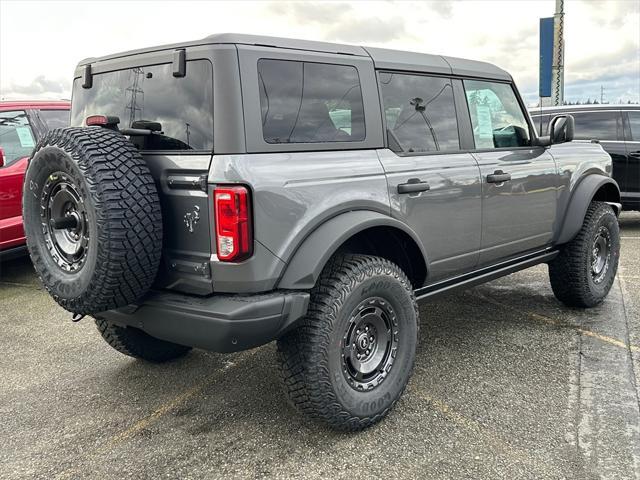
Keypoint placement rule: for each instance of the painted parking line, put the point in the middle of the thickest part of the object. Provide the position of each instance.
(150, 419)
(557, 323)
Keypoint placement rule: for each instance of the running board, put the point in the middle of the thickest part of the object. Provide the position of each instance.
(484, 275)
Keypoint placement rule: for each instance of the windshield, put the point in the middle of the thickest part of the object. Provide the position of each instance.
(182, 105)
(16, 137)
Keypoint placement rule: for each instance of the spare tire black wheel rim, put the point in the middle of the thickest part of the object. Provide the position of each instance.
(600, 255)
(370, 344)
(64, 222)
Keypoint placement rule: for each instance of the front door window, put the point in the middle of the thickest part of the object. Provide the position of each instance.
(496, 116)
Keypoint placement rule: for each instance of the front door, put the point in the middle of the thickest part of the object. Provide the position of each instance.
(519, 181)
(433, 186)
(631, 192)
(605, 126)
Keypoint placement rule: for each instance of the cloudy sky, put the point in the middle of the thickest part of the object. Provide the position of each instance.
(41, 41)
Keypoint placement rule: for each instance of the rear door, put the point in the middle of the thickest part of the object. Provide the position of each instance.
(434, 187)
(632, 179)
(519, 181)
(606, 127)
(17, 141)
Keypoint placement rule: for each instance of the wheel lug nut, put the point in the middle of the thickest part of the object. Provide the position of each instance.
(371, 339)
(367, 328)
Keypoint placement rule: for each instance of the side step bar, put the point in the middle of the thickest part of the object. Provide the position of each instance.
(484, 275)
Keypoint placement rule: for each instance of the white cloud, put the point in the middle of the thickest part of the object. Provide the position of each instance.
(601, 37)
(42, 87)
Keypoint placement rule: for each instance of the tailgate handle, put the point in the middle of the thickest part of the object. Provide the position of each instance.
(187, 182)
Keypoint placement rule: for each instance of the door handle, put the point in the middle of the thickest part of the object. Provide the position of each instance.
(635, 154)
(498, 177)
(413, 185)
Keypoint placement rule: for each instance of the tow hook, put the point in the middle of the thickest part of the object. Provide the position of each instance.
(76, 317)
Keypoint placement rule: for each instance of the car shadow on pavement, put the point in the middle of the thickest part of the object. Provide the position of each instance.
(18, 271)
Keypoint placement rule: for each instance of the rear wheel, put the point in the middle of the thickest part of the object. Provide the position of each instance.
(584, 271)
(350, 360)
(138, 344)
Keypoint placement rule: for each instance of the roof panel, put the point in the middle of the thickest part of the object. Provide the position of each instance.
(474, 68)
(281, 42)
(384, 58)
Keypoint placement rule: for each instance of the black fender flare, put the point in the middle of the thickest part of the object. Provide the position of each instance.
(579, 203)
(307, 262)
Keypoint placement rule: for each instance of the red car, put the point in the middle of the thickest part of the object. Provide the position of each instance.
(22, 124)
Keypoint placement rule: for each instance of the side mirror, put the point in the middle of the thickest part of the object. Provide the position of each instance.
(562, 128)
(1, 157)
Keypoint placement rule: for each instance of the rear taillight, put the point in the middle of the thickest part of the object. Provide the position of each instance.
(233, 223)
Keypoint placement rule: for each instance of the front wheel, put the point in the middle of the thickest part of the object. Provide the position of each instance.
(350, 360)
(584, 271)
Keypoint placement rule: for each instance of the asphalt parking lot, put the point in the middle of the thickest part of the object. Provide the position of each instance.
(508, 384)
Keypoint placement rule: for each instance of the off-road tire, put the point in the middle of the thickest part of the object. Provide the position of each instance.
(121, 212)
(311, 358)
(570, 272)
(138, 344)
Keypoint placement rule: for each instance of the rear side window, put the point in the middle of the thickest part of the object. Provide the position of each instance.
(496, 116)
(305, 102)
(182, 105)
(16, 138)
(541, 123)
(596, 125)
(55, 118)
(634, 125)
(420, 113)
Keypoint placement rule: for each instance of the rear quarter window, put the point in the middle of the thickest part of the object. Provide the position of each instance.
(306, 102)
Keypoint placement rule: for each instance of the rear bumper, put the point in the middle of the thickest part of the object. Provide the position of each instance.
(220, 323)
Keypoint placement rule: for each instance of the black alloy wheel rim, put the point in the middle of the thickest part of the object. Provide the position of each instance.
(64, 222)
(370, 344)
(600, 255)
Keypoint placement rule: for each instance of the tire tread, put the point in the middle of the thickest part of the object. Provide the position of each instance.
(303, 352)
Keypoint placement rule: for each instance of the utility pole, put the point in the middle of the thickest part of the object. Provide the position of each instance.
(558, 54)
(136, 93)
(551, 86)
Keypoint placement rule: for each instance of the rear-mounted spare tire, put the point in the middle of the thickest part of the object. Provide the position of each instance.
(92, 219)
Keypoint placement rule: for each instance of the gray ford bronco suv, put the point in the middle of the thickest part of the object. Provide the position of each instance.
(235, 190)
